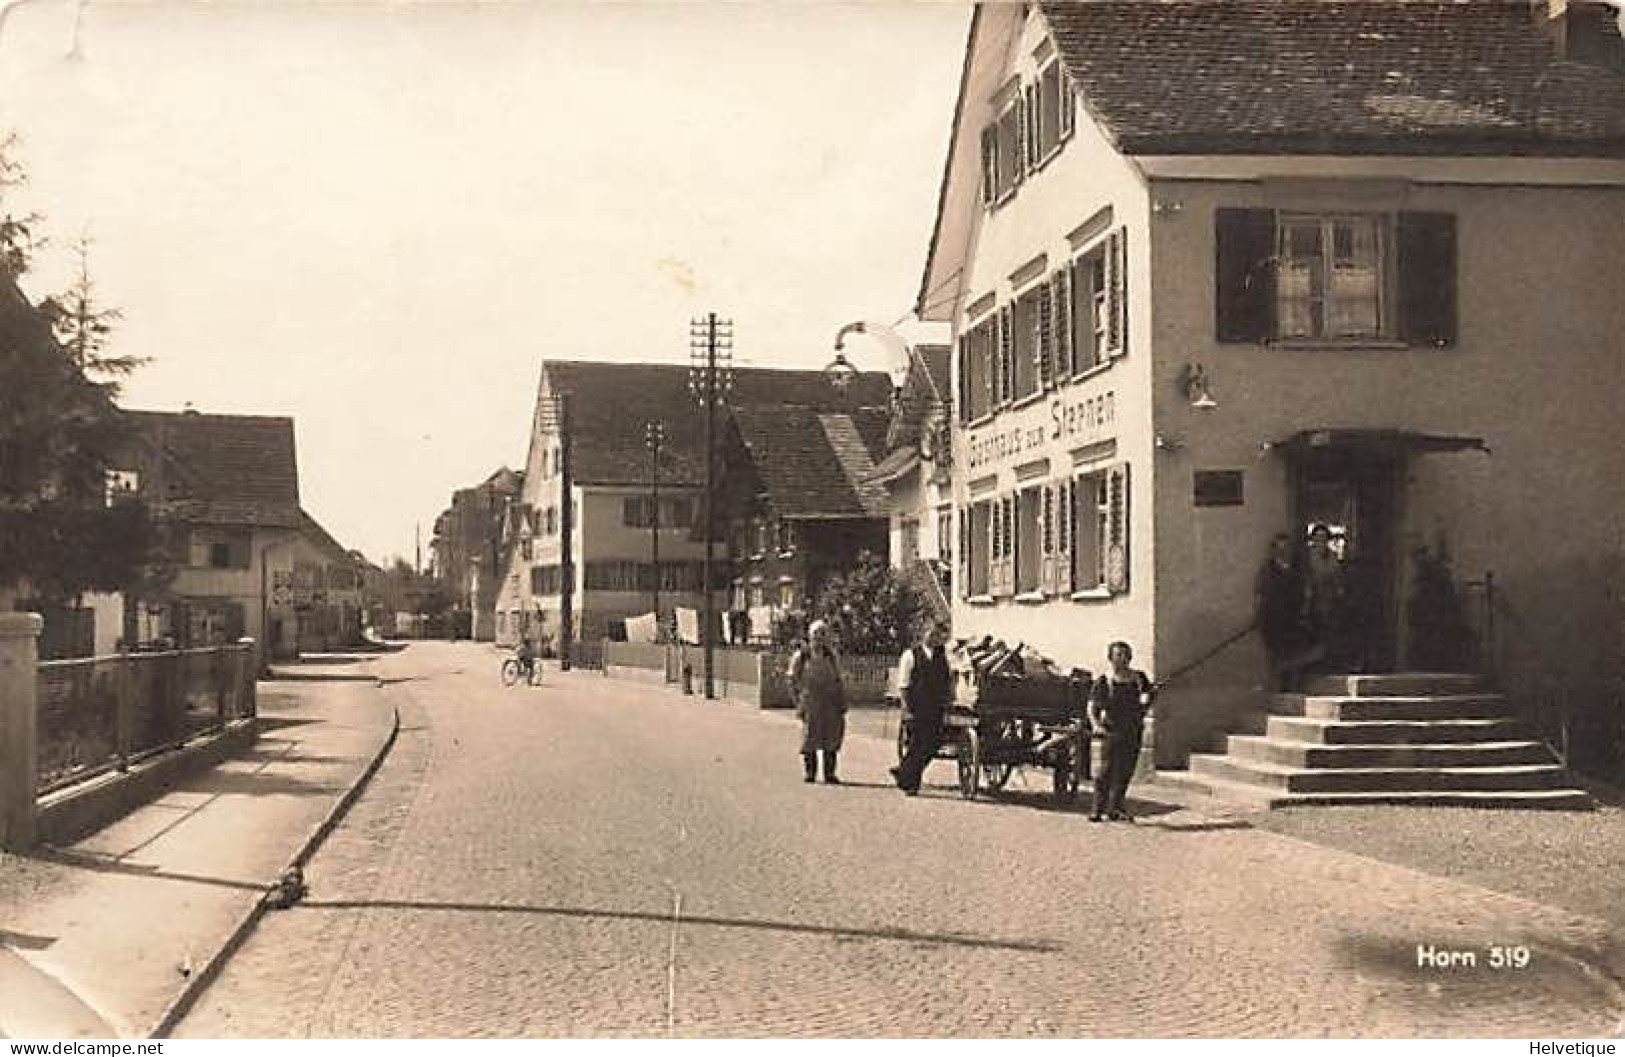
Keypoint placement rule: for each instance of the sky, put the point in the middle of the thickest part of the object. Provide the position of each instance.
(380, 218)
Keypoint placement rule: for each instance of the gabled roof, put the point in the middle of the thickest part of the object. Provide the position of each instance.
(1403, 77)
(224, 469)
(925, 390)
(814, 463)
(323, 540)
(611, 403)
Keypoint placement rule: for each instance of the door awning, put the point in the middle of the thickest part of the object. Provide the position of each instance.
(1387, 441)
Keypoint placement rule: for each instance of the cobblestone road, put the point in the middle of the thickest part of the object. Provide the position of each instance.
(603, 858)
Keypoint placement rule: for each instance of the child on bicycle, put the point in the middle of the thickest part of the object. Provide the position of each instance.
(526, 654)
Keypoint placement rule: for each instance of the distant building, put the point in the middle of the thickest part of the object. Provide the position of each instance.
(808, 506)
(247, 560)
(327, 590)
(915, 472)
(467, 549)
(611, 573)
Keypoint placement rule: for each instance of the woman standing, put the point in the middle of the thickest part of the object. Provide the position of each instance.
(815, 681)
(1117, 705)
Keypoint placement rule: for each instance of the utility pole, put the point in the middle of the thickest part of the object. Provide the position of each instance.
(567, 573)
(710, 377)
(654, 436)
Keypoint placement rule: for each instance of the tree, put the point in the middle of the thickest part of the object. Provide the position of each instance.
(83, 327)
(869, 609)
(61, 532)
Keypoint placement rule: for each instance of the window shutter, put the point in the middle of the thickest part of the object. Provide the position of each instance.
(1046, 534)
(1116, 301)
(963, 389)
(1068, 105)
(1117, 529)
(1427, 278)
(990, 164)
(239, 552)
(1244, 274)
(1044, 347)
(1019, 170)
(1066, 512)
(1060, 299)
(1007, 359)
(988, 349)
(964, 552)
(1035, 126)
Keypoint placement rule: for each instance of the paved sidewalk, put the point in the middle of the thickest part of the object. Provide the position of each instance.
(98, 938)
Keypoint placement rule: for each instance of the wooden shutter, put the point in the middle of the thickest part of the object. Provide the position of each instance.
(1060, 299)
(1018, 171)
(1030, 127)
(964, 552)
(1006, 358)
(962, 391)
(1068, 105)
(1117, 529)
(1065, 515)
(1116, 294)
(1044, 347)
(990, 163)
(1244, 274)
(1046, 537)
(1427, 278)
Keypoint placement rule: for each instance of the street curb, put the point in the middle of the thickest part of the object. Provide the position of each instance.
(210, 971)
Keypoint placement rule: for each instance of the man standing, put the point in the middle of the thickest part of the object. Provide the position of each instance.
(1117, 705)
(927, 688)
(815, 680)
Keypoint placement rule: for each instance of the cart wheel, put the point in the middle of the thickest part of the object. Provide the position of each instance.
(510, 672)
(1066, 776)
(995, 775)
(904, 736)
(970, 765)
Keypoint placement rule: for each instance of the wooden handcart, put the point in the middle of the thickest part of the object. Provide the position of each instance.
(1000, 723)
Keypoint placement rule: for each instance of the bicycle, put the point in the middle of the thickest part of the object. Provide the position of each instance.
(513, 669)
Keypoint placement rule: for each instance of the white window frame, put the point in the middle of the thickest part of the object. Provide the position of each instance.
(1381, 227)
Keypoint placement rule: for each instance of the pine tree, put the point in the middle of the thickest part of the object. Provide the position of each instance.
(60, 432)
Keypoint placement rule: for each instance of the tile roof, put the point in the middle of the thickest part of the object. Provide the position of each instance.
(1471, 77)
(811, 462)
(228, 469)
(611, 402)
(323, 540)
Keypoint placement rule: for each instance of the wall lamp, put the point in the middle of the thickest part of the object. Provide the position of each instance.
(1168, 442)
(1193, 381)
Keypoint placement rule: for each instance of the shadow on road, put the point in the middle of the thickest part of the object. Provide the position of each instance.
(894, 935)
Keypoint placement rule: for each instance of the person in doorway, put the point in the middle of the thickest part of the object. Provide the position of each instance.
(926, 685)
(820, 696)
(1325, 593)
(1282, 597)
(1117, 706)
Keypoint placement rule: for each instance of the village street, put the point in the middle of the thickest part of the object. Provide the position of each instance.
(599, 857)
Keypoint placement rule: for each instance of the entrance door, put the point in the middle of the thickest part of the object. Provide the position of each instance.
(1353, 493)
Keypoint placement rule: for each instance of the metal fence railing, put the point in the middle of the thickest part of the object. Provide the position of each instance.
(103, 713)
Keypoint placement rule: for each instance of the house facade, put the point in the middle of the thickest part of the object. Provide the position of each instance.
(916, 473)
(467, 549)
(588, 523)
(1367, 280)
(224, 491)
(804, 505)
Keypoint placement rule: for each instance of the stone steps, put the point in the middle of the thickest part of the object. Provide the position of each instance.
(1499, 778)
(1453, 706)
(1291, 753)
(1246, 794)
(1411, 737)
(1391, 731)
